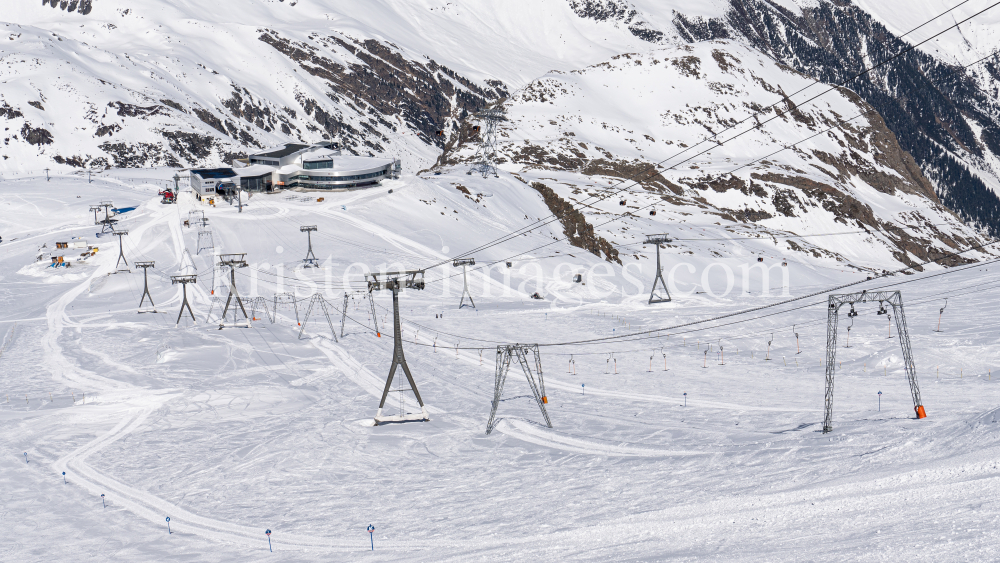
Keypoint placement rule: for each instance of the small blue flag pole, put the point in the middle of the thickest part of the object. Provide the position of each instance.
(104, 504)
(583, 386)
(879, 401)
(268, 532)
(168, 525)
(25, 457)
(685, 399)
(64, 477)
(371, 535)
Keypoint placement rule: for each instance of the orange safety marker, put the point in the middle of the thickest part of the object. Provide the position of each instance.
(921, 413)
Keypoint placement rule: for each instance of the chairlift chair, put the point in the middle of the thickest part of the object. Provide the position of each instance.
(760, 258)
(622, 202)
(652, 212)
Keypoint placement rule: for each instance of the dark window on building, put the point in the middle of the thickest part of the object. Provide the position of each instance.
(317, 164)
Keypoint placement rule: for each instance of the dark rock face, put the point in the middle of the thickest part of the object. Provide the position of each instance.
(191, 146)
(83, 7)
(578, 231)
(36, 136)
(388, 88)
(9, 112)
(138, 155)
(617, 11)
(925, 104)
(130, 110)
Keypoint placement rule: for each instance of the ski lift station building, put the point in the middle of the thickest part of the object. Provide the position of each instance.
(319, 166)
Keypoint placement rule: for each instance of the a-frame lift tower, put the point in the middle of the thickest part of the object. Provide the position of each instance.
(653, 296)
(394, 281)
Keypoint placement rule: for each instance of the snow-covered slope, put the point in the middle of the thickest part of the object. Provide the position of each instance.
(661, 447)
(681, 121)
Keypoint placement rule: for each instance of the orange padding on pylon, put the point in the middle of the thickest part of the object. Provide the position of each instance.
(545, 400)
(921, 413)
(379, 334)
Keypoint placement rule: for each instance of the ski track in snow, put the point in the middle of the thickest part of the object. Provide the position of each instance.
(602, 435)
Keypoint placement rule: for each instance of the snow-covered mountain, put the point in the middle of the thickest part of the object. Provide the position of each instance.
(132, 84)
(582, 132)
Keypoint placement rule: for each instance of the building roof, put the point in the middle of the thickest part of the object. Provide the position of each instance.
(254, 170)
(288, 149)
(213, 173)
(319, 154)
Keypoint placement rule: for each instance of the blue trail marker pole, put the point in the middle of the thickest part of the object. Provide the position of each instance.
(269, 541)
(685, 399)
(104, 504)
(25, 457)
(168, 525)
(879, 401)
(583, 387)
(64, 477)
(371, 535)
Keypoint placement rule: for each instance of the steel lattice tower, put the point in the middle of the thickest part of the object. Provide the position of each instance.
(205, 241)
(108, 222)
(233, 261)
(484, 162)
(145, 286)
(504, 355)
(893, 298)
(310, 258)
(318, 299)
(653, 297)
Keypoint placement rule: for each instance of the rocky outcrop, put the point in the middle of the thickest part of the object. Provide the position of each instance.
(384, 86)
(578, 231)
(927, 105)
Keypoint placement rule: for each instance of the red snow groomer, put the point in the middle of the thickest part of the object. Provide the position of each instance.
(168, 196)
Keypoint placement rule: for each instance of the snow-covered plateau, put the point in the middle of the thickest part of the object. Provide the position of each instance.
(691, 429)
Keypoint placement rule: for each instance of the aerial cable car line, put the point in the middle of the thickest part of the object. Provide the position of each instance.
(645, 336)
(617, 217)
(543, 222)
(740, 239)
(656, 333)
(650, 334)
